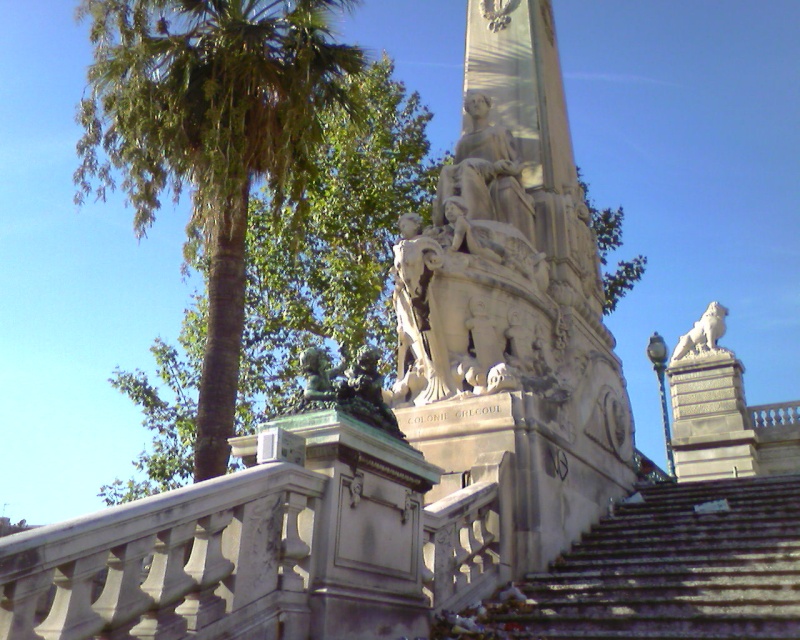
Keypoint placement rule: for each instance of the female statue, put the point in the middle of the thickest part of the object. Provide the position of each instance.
(486, 173)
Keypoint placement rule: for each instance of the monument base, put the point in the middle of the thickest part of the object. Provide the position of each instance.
(564, 476)
(368, 528)
(713, 437)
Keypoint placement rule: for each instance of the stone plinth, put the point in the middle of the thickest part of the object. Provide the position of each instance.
(712, 434)
(365, 573)
(563, 475)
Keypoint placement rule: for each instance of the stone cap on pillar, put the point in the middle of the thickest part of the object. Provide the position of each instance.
(705, 361)
(334, 435)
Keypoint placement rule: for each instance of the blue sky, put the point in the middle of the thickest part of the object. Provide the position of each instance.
(684, 111)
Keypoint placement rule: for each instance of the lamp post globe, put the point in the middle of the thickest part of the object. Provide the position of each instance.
(657, 353)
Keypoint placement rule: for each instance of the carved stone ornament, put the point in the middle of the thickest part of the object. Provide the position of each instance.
(408, 507)
(356, 490)
(560, 462)
(702, 338)
(617, 418)
(498, 13)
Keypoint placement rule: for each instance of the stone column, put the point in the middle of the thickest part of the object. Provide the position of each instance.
(365, 578)
(712, 435)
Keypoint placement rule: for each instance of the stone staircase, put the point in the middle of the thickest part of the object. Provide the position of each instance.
(660, 569)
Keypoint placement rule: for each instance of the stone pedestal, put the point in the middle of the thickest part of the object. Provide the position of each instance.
(365, 573)
(564, 476)
(712, 434)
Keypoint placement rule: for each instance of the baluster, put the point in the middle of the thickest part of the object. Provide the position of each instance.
(428, 563)
(444, 563)
(167, 583)
(461, 554)
(476, 567)
(18, 600)
(293, 547)
(488, 555)
(253, 539)
(208, 567)
(123, 600)
(793, 412)
(758, 418)
(71, 615)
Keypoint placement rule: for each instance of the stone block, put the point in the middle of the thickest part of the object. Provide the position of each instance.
(365, 578)
(563, 475)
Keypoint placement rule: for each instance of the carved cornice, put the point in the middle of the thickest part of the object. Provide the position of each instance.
(498, 13)
(359, 462)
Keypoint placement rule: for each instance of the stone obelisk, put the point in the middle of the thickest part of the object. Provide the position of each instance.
(512, 55)
(506, 369)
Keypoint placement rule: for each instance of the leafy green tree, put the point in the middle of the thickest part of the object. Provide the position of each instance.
(607, 226)
(220, 94)
(324, 283)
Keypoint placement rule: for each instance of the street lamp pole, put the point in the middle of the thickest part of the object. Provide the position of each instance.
(657, 353)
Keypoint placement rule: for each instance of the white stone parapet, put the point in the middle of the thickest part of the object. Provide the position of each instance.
(775, 415)
(125, 571)
(462, 547)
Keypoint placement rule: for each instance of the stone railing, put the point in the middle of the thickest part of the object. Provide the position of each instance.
(775, 415)
(647, 470)
(463, 549)
(217, 559)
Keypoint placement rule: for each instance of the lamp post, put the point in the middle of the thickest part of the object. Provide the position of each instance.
(657, 352)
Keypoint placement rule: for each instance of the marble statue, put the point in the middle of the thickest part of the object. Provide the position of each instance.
(486, 173)
(704, 334)
(455, 212)
(410, 225)
(459, 336)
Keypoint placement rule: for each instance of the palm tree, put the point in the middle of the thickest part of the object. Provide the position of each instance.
(221, 95)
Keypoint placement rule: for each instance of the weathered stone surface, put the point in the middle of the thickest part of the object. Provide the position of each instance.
(564, 474)
(657, 569)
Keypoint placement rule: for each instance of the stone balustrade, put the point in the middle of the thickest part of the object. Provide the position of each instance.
(274, 551)
(168, 566)
(775, 415)
(462, 546)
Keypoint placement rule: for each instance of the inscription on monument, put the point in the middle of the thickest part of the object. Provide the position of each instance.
(457, 414)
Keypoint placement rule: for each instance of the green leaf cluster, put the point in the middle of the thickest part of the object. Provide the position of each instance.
(324, 282)
(607, 227)
(213, 93)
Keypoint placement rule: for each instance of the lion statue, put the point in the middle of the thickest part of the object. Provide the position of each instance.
(704, 334)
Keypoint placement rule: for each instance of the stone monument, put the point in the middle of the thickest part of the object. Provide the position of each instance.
(499, 302)
(712, 433)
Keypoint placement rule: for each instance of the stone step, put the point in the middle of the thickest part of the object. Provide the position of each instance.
(630, 523)
(781, 573)
(688, 538)
(637, 595)
(720, 627)
(686, 549)
(653, 562)
(685, 607)
(746, 506)
(665, 585)
(659, 570)
(706, 532)
(737, 485)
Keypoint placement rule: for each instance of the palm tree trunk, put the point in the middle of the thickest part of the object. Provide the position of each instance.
(220, 378)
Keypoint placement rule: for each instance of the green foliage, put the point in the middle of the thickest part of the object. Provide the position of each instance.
(323, 283)
(222, 95)
(206, 92)
(607, 227)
